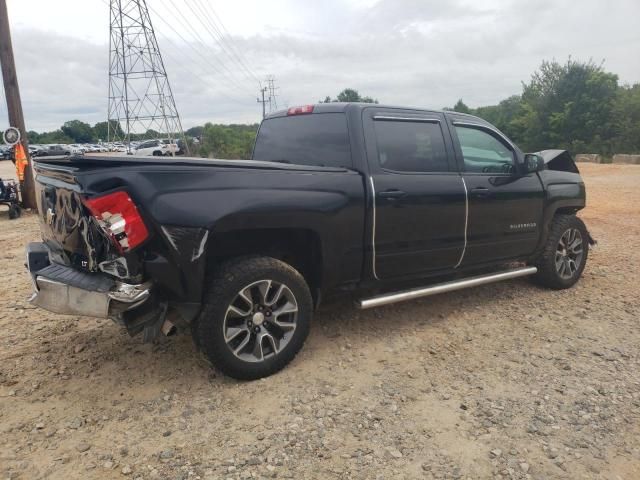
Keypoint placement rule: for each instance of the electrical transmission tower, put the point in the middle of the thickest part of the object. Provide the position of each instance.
(273, 100)
(141, 103)
(268, 95)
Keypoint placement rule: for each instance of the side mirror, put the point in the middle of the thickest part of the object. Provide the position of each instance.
(533, 163)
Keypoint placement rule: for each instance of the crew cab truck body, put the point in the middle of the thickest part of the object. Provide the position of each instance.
(353, 198)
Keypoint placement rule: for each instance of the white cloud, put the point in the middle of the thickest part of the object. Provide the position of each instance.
(412, 52)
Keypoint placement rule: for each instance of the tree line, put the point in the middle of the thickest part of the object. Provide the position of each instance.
(574, 105)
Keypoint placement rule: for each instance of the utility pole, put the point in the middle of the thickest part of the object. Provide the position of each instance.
(263, 101)
(14, 105)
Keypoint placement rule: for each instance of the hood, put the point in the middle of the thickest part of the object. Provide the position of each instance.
(558, 160)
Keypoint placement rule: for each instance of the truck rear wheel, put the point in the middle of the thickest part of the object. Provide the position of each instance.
(255, 318)
(564, 257)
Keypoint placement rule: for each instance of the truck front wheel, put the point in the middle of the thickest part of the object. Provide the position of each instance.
(564, 257)
(255, 318)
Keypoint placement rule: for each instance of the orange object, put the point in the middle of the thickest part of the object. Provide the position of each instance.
(21, 160)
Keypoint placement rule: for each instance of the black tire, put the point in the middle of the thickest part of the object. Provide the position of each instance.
(549, 274)
(157, 153)
(224, 287)
(14, 211)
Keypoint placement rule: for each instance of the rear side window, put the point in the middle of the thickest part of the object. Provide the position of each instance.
(411, 146)
(318, 139)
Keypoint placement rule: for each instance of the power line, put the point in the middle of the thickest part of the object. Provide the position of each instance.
(228, 35)
(192, 74)
(228, 47)
(216, 39)
(201, 65)
(207, 62)
(197, 69)
(185, 23)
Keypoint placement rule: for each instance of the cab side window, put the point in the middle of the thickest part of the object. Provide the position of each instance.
(406, 146)
(484, 153)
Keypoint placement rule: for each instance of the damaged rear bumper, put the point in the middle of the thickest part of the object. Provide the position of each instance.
(68, 291)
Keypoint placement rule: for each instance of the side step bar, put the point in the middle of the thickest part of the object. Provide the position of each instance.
(445, 287)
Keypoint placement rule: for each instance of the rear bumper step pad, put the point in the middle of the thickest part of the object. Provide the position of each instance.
(65, 290)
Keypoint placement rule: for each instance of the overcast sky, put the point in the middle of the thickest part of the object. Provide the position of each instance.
(410, 52)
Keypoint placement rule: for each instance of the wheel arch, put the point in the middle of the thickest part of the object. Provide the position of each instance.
(558, 207)
(299, 247)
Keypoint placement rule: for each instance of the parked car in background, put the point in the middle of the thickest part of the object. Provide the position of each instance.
(54, 150)
(91, 148)
(34, 150)
(5, 152)
(157, 148)
(76, 149)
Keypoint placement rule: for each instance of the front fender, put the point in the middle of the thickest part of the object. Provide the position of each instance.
(565, 192)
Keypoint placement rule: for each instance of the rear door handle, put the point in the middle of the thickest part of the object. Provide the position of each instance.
(480, 192)
(392, 194)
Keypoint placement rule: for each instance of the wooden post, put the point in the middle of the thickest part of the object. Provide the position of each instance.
(14, 105)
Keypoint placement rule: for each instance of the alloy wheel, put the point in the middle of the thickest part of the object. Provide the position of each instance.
(260, 321)
(569, 253)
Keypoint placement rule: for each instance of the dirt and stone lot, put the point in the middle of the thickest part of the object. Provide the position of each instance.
(502, 381)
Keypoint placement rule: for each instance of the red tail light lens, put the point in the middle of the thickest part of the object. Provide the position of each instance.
(119, 218)
(300, 110)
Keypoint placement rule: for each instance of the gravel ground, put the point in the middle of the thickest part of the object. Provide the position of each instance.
(501, 381)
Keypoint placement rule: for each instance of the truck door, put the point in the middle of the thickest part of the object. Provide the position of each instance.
(418, 193)
(505, 206)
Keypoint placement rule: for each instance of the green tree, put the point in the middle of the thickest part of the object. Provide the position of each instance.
(461, 107)
(78, 131)
(569, 106)
(227, 141)
(105, 132)
(195, 132)
(350, 95)
(576, 106)
(626, 120)
(56, 136)
(507, 116)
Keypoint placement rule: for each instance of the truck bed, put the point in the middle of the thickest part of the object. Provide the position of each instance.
(195, 207)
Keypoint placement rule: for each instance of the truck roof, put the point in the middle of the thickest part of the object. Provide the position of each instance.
(339, 107)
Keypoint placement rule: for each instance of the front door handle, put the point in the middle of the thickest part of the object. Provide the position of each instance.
(392, 194)
(480, 192)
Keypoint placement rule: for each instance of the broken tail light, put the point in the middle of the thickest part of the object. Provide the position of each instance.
(119, 218)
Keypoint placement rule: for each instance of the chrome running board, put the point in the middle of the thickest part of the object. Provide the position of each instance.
(445, 287)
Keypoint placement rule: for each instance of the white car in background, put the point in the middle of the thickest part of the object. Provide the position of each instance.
(76, 149)
(157, 148)
(91, 148)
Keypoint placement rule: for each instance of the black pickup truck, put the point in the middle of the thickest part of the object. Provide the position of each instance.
(381, 203)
